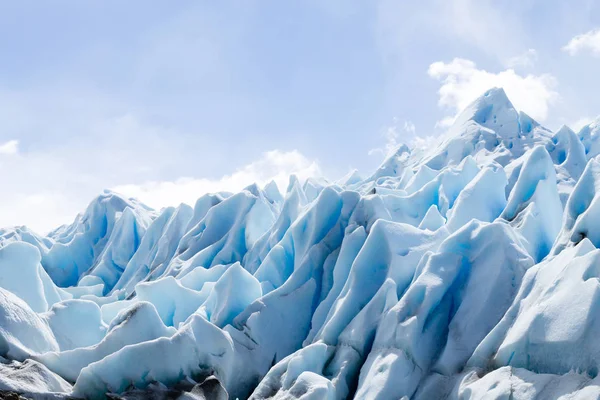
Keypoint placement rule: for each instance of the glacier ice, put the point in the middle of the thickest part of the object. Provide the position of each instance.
(31, 380)
(469, 269)
(136, 324)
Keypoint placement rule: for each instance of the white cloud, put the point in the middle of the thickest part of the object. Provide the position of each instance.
(274, 165)
(409, 127)
(395, 135)
(445, 122)
(589, 41)
(42, 191)
(462, 82)
(525, 60)
(51, 181)
(48, 187)
(399, 133)
(580, 123)
(10, 147)
(424, 142)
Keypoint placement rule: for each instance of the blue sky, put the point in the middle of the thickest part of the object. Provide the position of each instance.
(167, 100)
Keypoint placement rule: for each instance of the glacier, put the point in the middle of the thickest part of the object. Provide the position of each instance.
(469, 269)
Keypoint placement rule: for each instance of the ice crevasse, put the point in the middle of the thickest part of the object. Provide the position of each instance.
(466, 270)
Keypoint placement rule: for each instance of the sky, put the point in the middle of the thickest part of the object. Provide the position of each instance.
(165, 101)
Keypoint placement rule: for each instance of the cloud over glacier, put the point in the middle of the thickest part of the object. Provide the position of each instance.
(462, 82)
(274, 165)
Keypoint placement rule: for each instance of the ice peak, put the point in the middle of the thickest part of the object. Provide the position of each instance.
(492, 110)
(582, 210)
(496, 95)
(564, 130)
(394, 164)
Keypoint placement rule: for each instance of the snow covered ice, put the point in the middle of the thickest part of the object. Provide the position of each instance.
(466, 270)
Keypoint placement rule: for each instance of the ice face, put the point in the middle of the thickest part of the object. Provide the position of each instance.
(468, 269)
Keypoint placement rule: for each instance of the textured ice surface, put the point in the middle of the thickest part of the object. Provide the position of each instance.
(466, 270)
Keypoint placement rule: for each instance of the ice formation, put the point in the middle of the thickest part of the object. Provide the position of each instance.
(467, 270)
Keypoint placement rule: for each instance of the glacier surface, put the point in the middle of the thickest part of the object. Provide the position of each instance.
(466, 270)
